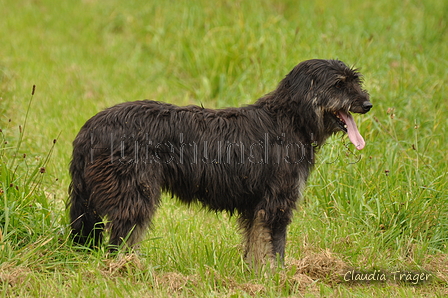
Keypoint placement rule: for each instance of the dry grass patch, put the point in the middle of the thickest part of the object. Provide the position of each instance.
(323, 266)
(13, 275)
(438, 266)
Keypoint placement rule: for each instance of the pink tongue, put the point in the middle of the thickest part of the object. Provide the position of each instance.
(352, 131)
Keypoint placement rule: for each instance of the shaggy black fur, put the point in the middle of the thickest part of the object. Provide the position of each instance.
(252, 161)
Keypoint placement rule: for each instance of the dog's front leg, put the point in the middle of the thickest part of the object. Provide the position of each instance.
(265, 237)
(279, 225)
(258, 238)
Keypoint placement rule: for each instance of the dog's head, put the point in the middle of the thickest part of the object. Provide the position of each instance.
(333, 90)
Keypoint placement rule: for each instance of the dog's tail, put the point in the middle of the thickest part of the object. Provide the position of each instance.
(85, 223)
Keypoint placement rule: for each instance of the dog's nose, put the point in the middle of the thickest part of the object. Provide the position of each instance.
(367, 105)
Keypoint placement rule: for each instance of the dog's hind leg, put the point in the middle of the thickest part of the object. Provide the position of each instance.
(86, 224)
(131, 211)
(123, 195)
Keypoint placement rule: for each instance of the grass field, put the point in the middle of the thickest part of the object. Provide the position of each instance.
(384, 208)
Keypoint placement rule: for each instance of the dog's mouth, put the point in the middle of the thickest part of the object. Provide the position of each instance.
(347, 124)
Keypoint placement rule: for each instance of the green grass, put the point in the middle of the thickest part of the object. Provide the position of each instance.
(385, 207)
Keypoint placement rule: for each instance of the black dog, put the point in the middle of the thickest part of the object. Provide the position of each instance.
(252, 161)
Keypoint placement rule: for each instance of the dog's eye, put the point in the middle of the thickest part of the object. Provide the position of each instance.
(339, 84)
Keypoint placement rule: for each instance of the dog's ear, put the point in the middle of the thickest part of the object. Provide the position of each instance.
(299, 81)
